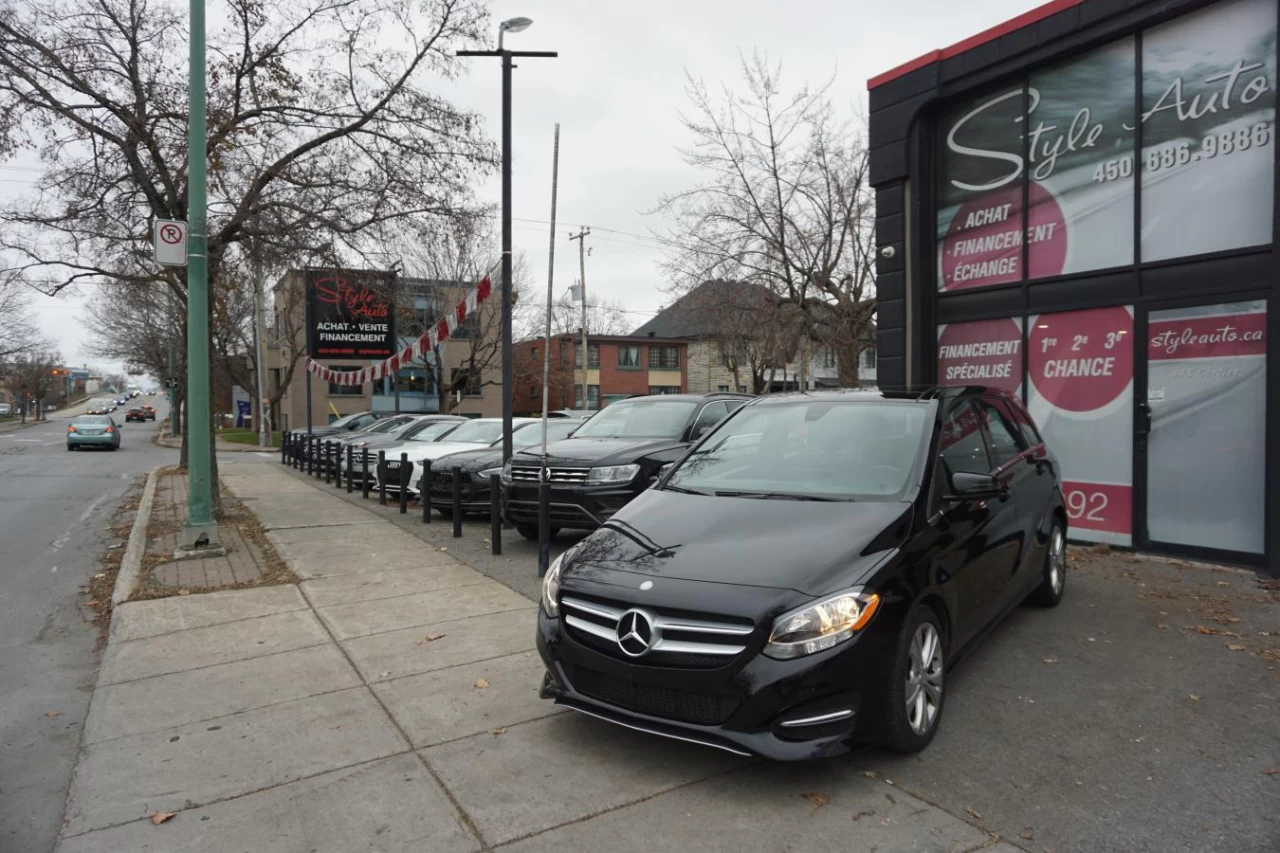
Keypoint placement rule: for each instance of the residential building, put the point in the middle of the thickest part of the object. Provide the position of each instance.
(618, 366)
(737, 342)
(469, 359)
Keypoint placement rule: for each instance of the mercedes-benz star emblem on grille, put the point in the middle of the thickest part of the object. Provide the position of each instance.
(635, 633)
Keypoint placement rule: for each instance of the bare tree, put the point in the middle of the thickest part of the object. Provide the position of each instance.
(784, 203)
(31, 373)
(321, 129)
(18, 332)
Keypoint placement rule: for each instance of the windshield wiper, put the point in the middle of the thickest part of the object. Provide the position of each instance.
(782, 496)
(682, 490)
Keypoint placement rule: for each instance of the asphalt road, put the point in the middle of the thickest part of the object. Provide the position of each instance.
(54, 508)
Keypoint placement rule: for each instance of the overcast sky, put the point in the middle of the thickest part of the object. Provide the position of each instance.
(616, 90)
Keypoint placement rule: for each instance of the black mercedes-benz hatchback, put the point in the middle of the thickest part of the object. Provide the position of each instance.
(804, 577)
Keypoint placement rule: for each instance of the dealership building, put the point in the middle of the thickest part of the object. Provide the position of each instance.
(1078, 206)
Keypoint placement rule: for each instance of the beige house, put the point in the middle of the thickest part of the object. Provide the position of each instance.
(464, 378)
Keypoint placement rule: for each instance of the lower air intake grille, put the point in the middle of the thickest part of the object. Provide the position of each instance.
(700, 708)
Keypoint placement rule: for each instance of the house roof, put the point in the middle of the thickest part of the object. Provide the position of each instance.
(698, 312)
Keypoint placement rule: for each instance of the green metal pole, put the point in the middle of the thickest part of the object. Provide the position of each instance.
(199, 432)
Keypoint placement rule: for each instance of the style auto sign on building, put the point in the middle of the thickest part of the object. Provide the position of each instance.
(351, 314)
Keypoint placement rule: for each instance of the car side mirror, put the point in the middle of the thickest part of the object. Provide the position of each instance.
(974, 487)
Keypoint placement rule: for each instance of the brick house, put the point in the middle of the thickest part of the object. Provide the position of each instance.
(618, 366)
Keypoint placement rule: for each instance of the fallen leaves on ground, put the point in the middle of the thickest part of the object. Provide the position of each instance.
(1028, 834)
(1050, 660)
(52, 714)
(1195, 697)
(482, 684)
(158, 818)
(1235, 647)
(1271, 771)
(818, 800)
(1206, 629)
(500, 731)
(184, 592)
(430, 638)
(93, 602)
(976, 815)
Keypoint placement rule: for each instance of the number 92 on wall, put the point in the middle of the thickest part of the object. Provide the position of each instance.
(1099, 506)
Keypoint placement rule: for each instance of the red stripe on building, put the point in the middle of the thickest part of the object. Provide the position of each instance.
(1025, 19)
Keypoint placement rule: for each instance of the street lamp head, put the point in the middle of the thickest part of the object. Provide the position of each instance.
(512, 25)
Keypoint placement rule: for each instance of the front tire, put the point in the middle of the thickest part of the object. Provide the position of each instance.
(1054, 582)
(916, 688)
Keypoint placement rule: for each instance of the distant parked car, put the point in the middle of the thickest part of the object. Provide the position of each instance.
(611, 458)
(93, 431)
(6, 409)
(479, 432)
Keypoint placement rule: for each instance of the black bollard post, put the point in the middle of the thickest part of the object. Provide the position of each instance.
(495, 514)
(351, 467)
(424, 489)
(457, 502)
(311, 454)
(337, 465)
(325, 460)
(544, 524)
(405, 473)
(382, 478)
(284, 448)
(364, 474)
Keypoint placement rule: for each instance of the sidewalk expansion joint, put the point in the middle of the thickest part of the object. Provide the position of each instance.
(209, 665)
(483, 580)
(676, 787)
(462, 812)
(452, 666)
(519, 609)
(211, 624)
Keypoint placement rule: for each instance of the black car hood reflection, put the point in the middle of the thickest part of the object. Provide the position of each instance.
(471, 460)
(598, 451)
(808, 546)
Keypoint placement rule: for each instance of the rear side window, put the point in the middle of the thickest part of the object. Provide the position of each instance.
(1002, 434)
(1022, 419)
(711, 414)
(961, 443)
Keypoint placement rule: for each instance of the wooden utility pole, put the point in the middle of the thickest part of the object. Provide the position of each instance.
(582, 284)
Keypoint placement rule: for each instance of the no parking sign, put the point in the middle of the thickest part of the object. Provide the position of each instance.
(170, 240)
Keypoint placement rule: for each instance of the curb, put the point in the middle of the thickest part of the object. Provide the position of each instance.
(131, 565)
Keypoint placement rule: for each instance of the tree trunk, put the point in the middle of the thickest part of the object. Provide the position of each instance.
(847, 355)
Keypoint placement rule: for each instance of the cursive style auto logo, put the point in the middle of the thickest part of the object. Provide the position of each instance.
(635, 633)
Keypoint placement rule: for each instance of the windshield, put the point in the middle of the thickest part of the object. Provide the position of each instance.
(477, 432)
(386, 425)
(347, 420)
(531, 434)
(818, 449)
(639, 419)
(432, 432)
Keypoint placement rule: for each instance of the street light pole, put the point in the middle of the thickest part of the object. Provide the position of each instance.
(514, 25)
(201, 529)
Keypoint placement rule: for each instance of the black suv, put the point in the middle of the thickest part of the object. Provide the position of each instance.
(610, 459)
(805, 577)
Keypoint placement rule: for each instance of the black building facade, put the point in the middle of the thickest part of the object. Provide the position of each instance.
(1079, 206)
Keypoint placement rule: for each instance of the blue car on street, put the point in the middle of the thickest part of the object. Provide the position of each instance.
(93, 431)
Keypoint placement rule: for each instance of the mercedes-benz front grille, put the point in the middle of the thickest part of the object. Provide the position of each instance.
(669, 640)
(529, 474)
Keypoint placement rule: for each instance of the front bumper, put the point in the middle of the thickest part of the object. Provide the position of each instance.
(809, 708)
(579, 506)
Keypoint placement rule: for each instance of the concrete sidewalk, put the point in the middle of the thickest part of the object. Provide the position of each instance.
(388, 702)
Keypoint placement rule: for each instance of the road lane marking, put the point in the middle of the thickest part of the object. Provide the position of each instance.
(28, 440)
(59, 543)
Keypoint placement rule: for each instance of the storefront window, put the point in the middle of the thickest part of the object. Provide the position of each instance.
(1080, 366)
(1208, 112)
(985, 352)
(1080, 151)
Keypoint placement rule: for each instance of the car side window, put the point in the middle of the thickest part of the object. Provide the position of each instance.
(711, 414)
(1022, 418)
(1000, 432)
(961, 444)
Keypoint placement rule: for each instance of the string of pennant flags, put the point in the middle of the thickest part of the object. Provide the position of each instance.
(429, 340)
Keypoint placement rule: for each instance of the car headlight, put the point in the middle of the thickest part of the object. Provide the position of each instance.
(612, 475)
(820, 626)
(551, 587)
(489, 472)
(505, 471)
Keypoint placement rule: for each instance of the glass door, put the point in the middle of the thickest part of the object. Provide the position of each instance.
(1205, 425)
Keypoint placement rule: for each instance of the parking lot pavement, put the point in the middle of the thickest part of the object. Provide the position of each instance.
(390, 704)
